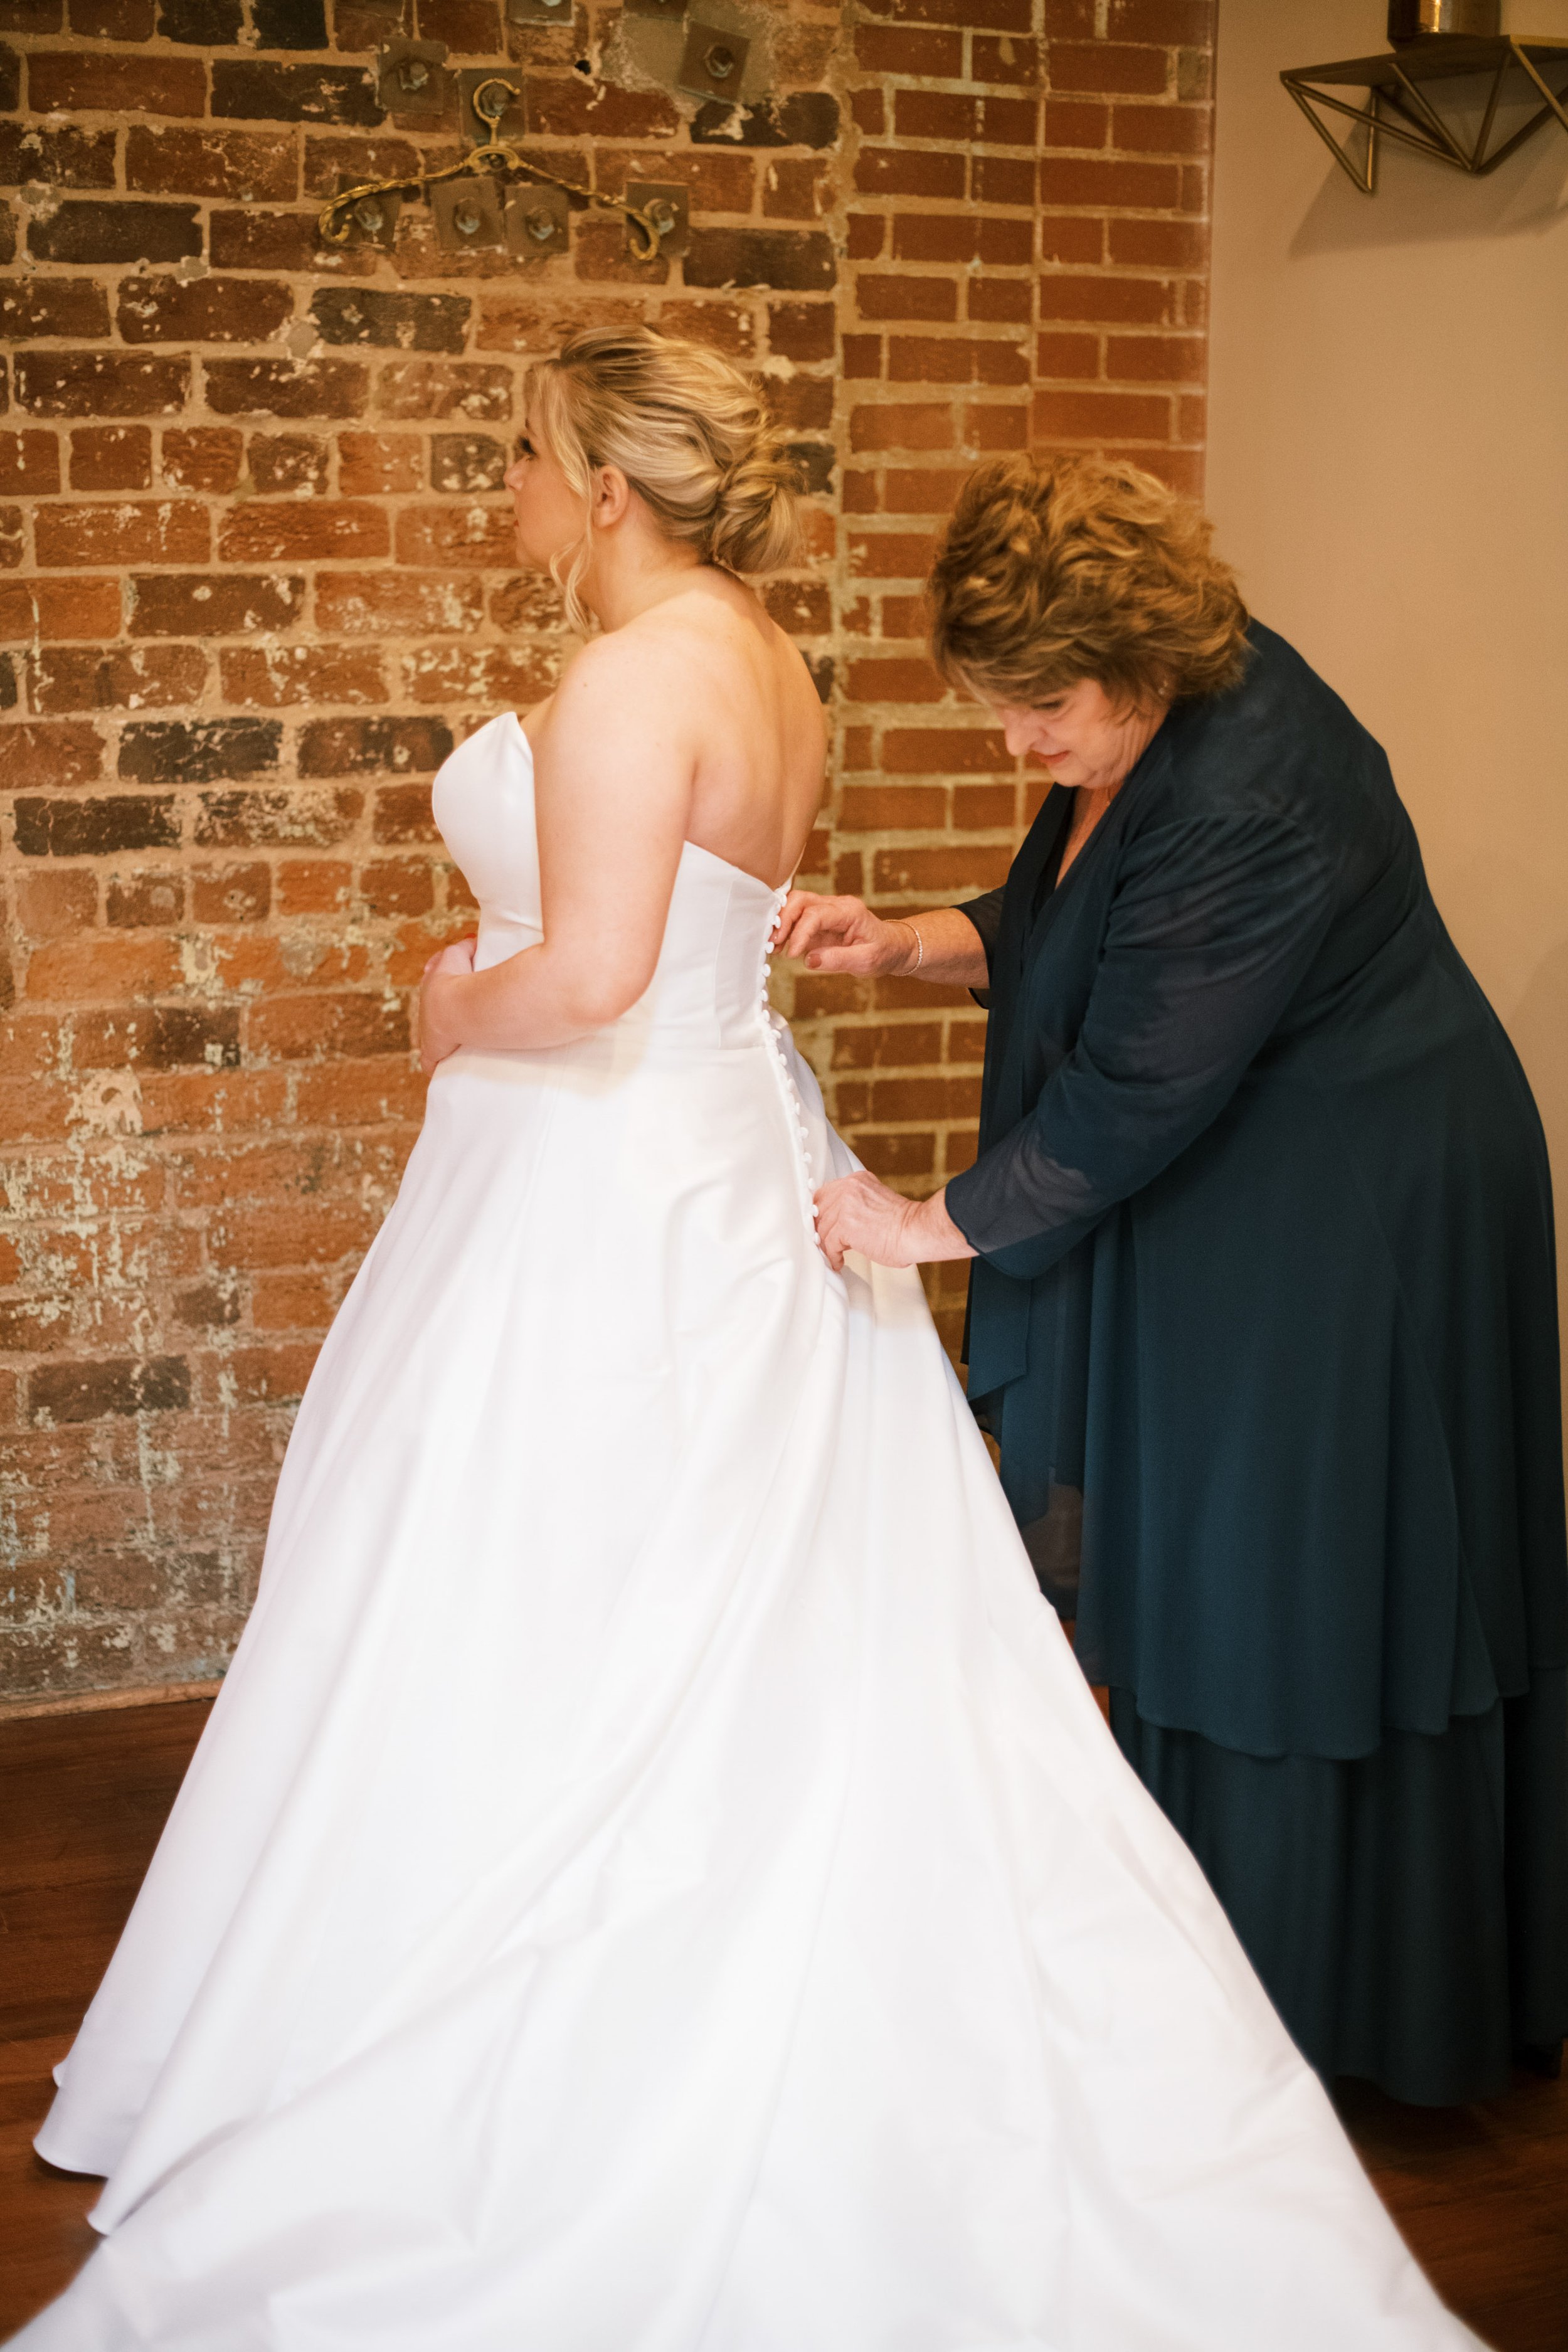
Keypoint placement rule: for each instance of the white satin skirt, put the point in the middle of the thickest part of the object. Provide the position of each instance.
(655, 1879)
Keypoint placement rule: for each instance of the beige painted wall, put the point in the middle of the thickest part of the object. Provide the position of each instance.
(1388, 468)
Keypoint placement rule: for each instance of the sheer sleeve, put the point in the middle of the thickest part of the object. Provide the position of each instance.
(1212, 926)
(985, 914)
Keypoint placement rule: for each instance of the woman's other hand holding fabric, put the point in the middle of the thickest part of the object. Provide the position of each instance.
(857, 1213)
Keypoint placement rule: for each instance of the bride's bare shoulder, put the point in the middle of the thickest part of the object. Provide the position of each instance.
(722, 631)
(627, 687)
(617, 657)
(707, 648)
(660, 644)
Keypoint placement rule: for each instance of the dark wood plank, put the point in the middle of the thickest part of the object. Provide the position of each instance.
(1480, 2193)
(82, 1801)
(44, 2235)
(1481, 2196)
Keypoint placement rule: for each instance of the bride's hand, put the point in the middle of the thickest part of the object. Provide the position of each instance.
(842, 935)
(437, 1008)
(457, 955)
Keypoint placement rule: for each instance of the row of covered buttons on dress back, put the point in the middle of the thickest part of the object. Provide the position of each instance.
(773, 1026)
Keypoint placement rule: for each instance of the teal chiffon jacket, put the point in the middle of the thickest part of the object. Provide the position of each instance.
(1266, 1259)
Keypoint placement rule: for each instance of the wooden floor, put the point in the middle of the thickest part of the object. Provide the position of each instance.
(1481, 2193)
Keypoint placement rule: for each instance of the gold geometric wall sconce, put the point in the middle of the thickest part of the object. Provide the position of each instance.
(1443, 51)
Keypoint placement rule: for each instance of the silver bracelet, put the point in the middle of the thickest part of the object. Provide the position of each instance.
(920, 944)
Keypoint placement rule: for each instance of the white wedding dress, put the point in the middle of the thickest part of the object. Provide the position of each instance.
(655, 1879)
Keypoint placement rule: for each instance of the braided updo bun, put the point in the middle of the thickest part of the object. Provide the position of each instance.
(688, 431)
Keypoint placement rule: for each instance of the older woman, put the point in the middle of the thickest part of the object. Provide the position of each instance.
(1261, 1313)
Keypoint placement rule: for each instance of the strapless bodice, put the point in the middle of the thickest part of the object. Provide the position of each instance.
(711, 969)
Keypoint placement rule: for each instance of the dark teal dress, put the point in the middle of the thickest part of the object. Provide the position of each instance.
(1264, 1323)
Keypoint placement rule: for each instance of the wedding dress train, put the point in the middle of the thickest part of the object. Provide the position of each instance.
(655, 1879)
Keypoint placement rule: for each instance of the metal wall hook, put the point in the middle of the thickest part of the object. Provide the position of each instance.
(491, 100)
(493, 157)
(667, 206)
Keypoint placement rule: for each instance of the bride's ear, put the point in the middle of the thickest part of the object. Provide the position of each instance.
(611, 496)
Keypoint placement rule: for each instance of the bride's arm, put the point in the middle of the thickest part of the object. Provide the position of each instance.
(613, 778)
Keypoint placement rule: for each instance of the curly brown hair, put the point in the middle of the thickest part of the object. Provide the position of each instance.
(1057, 569)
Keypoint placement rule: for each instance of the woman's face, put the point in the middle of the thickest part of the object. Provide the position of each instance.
(548, 509)
(1085, 739)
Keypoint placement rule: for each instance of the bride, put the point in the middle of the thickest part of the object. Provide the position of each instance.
(655, 1879)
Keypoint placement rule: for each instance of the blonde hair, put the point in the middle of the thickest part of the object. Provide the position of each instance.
(1057, 569)
(688, 431)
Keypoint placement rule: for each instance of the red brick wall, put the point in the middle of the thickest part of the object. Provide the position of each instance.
(255, 575)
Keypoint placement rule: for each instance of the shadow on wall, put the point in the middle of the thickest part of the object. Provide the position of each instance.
(1421, 203)
(1538, 1025)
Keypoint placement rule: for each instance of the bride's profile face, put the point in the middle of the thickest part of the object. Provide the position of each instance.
(549, 512)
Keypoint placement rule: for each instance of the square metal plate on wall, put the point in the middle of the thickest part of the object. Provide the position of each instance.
(669, 208)
(713, 62)
(374, 220)
(512, 123)
(412, 82)
(538, 219)
(468, 215)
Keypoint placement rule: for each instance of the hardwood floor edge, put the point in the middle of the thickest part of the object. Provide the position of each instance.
(19, 1710)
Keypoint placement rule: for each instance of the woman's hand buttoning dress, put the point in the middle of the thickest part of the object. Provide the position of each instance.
(655, 1879)
(1262, 1311)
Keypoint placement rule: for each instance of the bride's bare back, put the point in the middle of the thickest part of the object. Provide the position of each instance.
(719, 687)
(695, 720)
